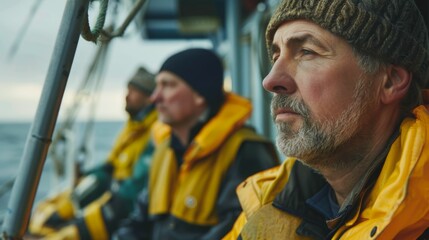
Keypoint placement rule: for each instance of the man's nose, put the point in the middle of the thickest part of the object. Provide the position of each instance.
(280, 80)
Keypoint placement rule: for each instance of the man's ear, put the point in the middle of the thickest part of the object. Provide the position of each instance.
(199, 100)
(396, 83)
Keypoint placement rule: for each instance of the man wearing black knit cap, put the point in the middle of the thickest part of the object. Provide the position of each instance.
(348, 80)
(203, 150)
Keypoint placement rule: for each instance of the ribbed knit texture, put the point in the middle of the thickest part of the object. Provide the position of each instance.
(391, 30)
(143, 80)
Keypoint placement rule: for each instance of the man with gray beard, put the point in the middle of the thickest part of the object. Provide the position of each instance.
(349, 81)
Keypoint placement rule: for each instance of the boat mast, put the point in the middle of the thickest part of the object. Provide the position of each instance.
(39, 138)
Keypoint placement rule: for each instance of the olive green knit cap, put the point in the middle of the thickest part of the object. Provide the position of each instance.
(390, 30)
(143, 80)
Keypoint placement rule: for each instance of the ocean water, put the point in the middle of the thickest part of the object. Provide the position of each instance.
(12, 142)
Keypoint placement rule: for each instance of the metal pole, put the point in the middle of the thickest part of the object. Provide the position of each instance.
(233, 16)
(39, 138)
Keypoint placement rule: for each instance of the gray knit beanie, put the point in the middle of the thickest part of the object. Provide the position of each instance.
(143, 80)
(390, 30)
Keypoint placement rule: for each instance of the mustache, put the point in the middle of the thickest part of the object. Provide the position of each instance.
(285, 101)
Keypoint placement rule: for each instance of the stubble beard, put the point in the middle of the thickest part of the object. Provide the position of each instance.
(316, 140)
(132, 111)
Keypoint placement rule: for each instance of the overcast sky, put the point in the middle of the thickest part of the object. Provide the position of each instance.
(23, 75)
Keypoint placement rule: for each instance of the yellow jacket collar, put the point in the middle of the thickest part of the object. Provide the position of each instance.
(146, 122)
(232, 115)
(401, 186)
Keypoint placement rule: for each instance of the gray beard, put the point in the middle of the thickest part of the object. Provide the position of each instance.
(317, 140)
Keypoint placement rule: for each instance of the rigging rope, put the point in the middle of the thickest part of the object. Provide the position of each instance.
(4, 188)
(24, 29)
(121, 30)
(90, 85)
(99, 74)
(90, 88)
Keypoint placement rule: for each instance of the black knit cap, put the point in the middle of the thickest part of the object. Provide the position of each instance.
(202, 70)
(391, 30)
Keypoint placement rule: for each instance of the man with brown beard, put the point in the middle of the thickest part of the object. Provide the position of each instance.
(347, 80)
(106, 194)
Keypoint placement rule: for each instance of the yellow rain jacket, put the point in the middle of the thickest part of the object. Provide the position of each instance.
(393, 205)
(129, 146)
(196, 200)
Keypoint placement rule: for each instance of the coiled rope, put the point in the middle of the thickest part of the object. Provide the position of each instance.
(106, 35)
(92, 35)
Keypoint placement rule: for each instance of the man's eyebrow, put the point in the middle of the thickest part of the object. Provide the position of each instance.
(298, 40)
(301, 39)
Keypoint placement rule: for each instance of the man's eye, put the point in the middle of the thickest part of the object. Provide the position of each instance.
(170, 84)
(306, 51)
(274, 58)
